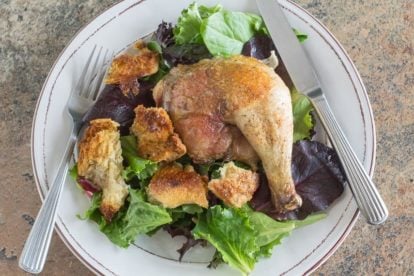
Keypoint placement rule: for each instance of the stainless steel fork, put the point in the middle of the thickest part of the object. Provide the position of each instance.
(82, 97)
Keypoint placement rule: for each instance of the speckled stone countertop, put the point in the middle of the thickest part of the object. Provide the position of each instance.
(379, 37)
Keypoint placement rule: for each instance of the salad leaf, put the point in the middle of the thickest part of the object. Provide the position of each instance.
(139, 217)
(242, 165)
(87, 186)
(185, 53)
(212, 170)
(154, 46)
(113, 103)
(138, 167)
(164, 35)
(300, 35)
(312, 218)
(242, 235)
(173, 54)
(93, 212)
(216, 261)
(163, 67)
(268, 229)
(73, 172)
(271, 232)
(188, 244)
(82, 183)
(318, 179)
(302, 118)
(317, 174)
(230, 232)
(182, 225)
(185, 160)
(191, 209)
(184, 210)
(259, 46)
(187, 29)
(224, 33)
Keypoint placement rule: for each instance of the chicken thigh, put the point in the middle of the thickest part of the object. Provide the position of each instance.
(208, 99)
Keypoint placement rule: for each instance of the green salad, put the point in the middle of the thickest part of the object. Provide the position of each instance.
(241, 236)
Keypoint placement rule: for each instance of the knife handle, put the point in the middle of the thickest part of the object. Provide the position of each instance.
(365, 193)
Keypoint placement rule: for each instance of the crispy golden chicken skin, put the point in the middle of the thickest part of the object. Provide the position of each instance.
(173, 186)
(100, 161)
(235, 186)
(156, 138)
(205, 100)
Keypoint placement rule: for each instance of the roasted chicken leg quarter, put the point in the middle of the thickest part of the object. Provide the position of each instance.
(208, 99)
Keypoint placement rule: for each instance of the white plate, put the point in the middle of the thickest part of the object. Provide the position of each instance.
(115, 29)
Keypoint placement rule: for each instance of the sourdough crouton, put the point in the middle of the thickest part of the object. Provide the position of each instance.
(156, 138)
(173, 186)
(127, 68)
(100, 161)
(235, 186)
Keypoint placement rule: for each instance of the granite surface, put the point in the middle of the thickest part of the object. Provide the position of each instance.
(379, 37)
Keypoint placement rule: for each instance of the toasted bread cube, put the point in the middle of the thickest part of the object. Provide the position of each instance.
(235, 186)
(100, 161)
(173, 186)
(156, 138)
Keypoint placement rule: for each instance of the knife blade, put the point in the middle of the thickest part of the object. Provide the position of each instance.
(306, 81)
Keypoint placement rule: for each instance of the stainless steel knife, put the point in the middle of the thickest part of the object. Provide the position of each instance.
(306, 81)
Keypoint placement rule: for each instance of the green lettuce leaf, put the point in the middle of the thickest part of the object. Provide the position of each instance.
(138, 217)
(142, 168)
(184, 210)
(163, 67)
(242, 235)
(187, 29)
(267, 228)
(73, 172)
(300, 35)
(302, 118)
(216, 261)
(271, 232)
(154, 46)
(312, 218)
(93, 212)
(230, 232)
(224, 33)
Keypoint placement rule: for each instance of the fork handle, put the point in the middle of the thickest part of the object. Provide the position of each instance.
(35, 250)
(365, 193)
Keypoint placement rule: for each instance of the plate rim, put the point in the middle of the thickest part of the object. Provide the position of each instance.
(339, 47)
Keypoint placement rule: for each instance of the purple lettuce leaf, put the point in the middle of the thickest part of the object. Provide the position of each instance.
(318, 178)
(184, 230)
(113, 103)
(185, 54)
(260, 47)
(174, 54)
(164, 34)
(88, 187)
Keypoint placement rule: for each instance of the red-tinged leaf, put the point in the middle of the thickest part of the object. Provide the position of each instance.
(318, 178)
